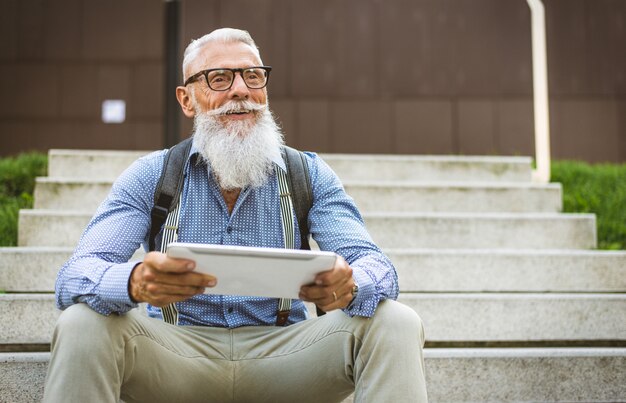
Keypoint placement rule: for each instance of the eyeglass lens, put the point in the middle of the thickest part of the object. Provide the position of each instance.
(220, 80)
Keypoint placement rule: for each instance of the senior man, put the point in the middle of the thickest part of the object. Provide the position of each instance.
(225, 348)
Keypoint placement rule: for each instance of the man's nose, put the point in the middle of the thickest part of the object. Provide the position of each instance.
(239, 89)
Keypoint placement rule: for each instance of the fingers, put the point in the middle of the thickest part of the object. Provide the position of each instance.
(340, 272)
(160, 280)
(182, 279)
(165, 295)
(163, 269)
(332, 289)
(162, 263)
(328, 299)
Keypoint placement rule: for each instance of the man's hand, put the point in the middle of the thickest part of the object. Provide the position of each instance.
(332, 288)
(160, 280)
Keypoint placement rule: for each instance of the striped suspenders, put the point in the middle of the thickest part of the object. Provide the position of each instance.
(170, 234)
(286, 216)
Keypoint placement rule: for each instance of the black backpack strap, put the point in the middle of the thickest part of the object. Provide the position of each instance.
(301, 194)
(300, 189)
(169, 187)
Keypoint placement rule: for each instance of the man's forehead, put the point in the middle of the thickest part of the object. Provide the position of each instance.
(216, 54)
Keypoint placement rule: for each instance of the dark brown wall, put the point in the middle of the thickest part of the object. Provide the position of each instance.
(391, 76)
(59, 59)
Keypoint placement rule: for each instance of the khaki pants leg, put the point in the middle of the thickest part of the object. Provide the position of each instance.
(94, 357)
(321, 360)
(326, 359)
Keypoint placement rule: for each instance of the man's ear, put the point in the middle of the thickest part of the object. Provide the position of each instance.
(186, 103)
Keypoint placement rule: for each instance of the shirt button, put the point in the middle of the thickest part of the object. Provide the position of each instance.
(229, 229)
(230, 310)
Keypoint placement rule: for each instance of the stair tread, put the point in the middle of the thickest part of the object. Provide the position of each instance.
(452, 375)
(448, 317)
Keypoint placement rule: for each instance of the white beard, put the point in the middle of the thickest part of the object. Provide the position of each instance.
(240, 153)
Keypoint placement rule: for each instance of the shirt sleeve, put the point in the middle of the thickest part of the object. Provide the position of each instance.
(99, 270)
(336, 225)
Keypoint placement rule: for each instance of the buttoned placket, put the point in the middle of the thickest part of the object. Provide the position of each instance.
(229, 308)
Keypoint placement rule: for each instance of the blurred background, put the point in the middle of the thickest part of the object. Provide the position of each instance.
(353, 76)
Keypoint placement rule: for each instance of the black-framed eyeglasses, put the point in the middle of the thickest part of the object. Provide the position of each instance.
(221, 79)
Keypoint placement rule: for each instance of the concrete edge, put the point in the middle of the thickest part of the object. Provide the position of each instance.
(566, 352)
(429, 353)
(388, 157)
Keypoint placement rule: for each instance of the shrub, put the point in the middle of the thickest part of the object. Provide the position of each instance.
(598, 189)
(17, 183)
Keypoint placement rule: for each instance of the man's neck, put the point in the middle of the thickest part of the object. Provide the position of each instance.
(230, 197)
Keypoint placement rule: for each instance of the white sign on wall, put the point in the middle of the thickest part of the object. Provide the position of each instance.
(113, 111)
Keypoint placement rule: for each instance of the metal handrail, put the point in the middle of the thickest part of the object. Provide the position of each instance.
(540, 92)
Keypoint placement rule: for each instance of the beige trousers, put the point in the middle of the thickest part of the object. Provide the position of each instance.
(140, 359)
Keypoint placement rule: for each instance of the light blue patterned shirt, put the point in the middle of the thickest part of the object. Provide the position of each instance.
(99, 270)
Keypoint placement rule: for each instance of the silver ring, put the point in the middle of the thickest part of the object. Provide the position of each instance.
(335, 295)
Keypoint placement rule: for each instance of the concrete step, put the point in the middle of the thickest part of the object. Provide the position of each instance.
(482, 230)
(50, 227)
(523, 317)
(452, 375)
(526, 375)
(27, 318)
(456, 197)
(434, 168)
(448, 318)
(31, 269)
(22, 376)
(84, 195)
(34, 269)
(497, 270)
(390, 230)
(70, 194)
(92, 164)
(98, 164)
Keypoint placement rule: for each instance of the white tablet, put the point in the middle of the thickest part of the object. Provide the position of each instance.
(257, 272)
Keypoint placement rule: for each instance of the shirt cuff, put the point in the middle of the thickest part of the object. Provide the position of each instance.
(366, 299)
(114, 287)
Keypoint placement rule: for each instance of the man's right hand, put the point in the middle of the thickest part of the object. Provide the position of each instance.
(161, 280)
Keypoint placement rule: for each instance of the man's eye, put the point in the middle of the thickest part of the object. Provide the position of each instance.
(219, 78)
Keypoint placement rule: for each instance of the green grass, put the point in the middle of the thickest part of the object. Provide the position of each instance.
(17, 182)
(598, 189)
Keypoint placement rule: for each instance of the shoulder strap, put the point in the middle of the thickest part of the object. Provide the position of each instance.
(300, 189)
(302, 194)
(169, 187)
(295, 193)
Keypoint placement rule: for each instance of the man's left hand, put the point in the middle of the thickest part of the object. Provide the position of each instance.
(332, 288)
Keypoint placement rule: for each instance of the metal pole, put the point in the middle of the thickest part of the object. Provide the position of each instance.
(540, 91)
(172, 68)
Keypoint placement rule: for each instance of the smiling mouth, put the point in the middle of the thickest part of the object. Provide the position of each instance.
(237, 112)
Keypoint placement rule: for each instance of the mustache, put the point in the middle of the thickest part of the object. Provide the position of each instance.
(237, 106)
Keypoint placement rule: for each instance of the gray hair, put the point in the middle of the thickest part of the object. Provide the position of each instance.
(222, 35)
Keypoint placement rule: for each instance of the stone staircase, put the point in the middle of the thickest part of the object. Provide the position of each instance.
(517, 305)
